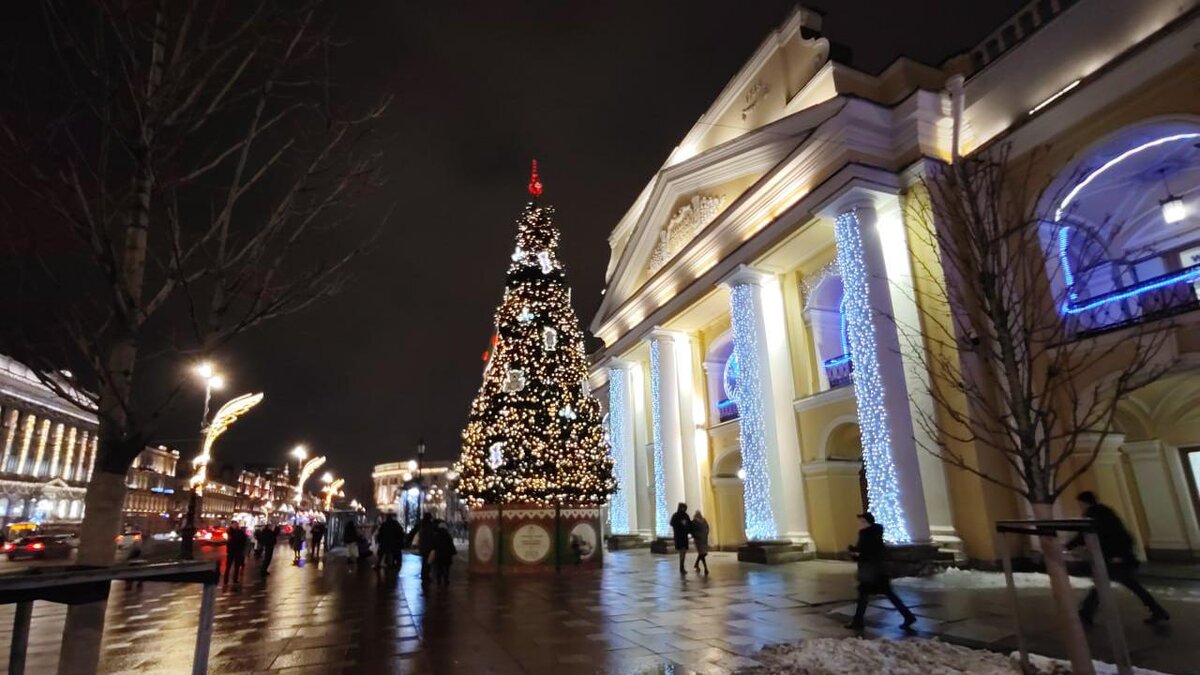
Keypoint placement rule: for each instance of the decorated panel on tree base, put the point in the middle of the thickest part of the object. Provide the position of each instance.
(526, 539)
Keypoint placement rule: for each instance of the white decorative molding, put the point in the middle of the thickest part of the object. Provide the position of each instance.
(690, 219)
(823, 398)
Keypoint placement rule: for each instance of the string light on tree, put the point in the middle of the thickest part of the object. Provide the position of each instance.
(531, 416)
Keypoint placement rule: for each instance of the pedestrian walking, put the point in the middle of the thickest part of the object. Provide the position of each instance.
(390, 538)
(443, 554)
(700, 536)
(270, 538)
(681, 524)
(318, 540)
(870, 552)
(422, 536)
(1117, 547)
(296, 539)
(235, 552)
(351, 539)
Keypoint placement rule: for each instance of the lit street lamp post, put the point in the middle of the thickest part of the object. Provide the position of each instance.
(212, 380)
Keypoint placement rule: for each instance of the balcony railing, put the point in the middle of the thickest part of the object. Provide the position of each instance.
(1157, 298)
(839, 371)
(727, 410)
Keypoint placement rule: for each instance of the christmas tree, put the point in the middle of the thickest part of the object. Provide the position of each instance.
(535, 434)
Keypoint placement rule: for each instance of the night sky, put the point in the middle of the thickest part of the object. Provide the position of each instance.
(599, 93)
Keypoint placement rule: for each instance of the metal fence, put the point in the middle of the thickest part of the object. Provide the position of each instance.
(81, 585)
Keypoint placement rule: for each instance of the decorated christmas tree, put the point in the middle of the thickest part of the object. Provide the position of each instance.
(535, 434)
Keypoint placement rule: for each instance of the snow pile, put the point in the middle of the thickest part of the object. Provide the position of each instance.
(955, 579)
(834, 656)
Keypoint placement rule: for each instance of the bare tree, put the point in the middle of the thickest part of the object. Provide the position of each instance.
(1014, 374)
(199, 163)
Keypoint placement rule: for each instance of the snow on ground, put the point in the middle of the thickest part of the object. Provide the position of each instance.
(955, 579)
(834, 656)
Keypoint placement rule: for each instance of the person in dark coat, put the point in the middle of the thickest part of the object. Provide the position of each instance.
(235, 552)
(390, 538)
(1117, 546)
(270, 537)
(318, 540)
(352, 540)
(444, 551)
(424, 534)
(681, 525)
(296, 539)
(700, 537)
(870, 552)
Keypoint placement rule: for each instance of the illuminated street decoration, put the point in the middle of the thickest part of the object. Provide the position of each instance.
(759, 513)
(1073, 305)
(310, 467)
(226, 416)
(661, 515)
(883, 485)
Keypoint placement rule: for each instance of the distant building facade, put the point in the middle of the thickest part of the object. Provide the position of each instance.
(408, 491)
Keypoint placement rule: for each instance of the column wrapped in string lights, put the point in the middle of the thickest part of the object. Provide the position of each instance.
(661, 514)
(760, 515)
(619, 446)
(883, 484)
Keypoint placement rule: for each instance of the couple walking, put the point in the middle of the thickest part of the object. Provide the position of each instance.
(697, 527)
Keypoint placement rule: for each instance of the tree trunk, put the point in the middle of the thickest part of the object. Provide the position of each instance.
(1070, 628)
(84, 628)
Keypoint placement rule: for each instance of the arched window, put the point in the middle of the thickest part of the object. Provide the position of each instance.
(723, 373)
(75, 506)
(828, 319)
(3, 506)
(1122, 228)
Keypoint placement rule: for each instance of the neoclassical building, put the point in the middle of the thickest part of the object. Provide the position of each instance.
(762, 334)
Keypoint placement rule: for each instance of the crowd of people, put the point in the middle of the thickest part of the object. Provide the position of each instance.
(386, 542)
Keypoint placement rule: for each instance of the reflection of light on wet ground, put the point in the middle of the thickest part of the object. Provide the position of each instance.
(637, 616)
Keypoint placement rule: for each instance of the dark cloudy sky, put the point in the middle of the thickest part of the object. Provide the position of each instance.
(599, 93)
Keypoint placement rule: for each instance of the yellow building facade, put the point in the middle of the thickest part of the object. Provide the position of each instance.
(765, 327)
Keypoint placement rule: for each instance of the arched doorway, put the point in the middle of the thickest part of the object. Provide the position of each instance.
(727, 487)
(836, 488)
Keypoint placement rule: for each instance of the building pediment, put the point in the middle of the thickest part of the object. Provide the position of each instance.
(716, 180)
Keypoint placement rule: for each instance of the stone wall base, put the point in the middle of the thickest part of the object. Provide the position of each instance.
(773, 552)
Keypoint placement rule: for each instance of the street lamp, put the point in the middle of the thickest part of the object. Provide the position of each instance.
(300, 453)
(212, 381)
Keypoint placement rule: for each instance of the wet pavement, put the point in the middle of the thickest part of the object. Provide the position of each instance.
(636, 616)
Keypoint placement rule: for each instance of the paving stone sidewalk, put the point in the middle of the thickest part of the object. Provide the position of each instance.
(636, 616)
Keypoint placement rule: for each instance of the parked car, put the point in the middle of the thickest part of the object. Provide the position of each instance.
(129, 545)
(39, 547)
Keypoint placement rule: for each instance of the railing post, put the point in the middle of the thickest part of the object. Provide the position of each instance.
(1108, 605)
(208, 603)
(20, 638)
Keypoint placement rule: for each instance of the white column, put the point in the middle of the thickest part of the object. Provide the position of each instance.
(95, 447)
(1165, 499)
(56, 455)
(11, 416)
(890, 453)
(668, 445)
(643, 449)
(623, 504)
(64, 468)
(28, 422)
(774, 487)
